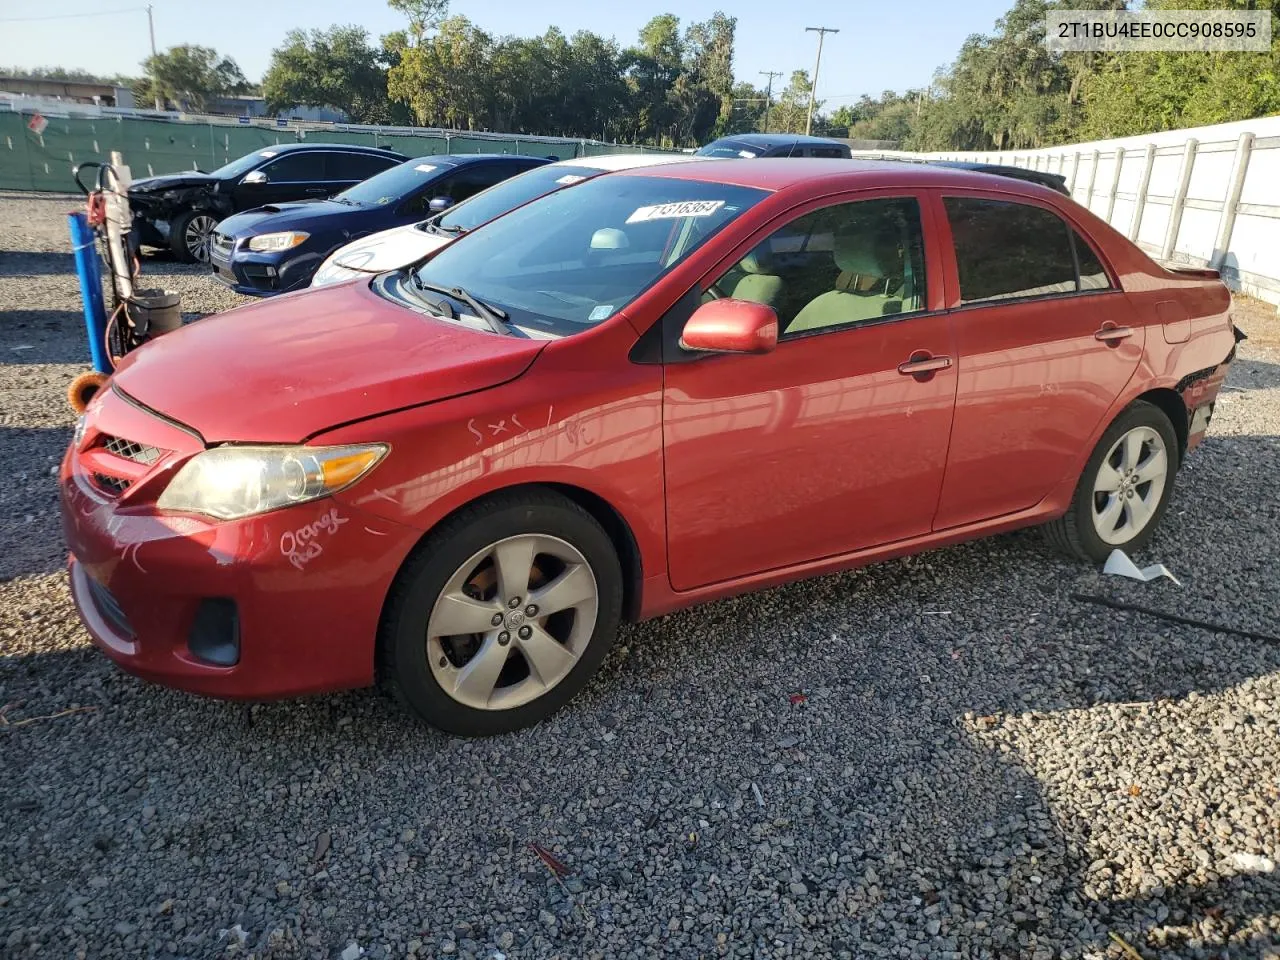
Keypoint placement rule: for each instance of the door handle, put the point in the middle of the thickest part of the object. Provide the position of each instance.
(1113, 334)
(911, 368)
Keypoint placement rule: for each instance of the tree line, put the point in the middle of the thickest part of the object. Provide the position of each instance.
(1005, 91)
(675, 87)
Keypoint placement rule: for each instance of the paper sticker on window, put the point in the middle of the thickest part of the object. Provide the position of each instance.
(569, 178)
(676, 211)
(267, 153)
(424, 167)
(746, 155)
(601, 312)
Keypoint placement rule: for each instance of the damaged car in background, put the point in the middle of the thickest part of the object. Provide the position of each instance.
(178, 211)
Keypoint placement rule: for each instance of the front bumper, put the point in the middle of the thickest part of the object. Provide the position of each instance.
(277, 605)
(261, 274)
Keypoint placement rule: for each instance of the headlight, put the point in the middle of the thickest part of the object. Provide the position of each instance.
(330, 272)
(232, 482)
(77, 435)
(275, 242)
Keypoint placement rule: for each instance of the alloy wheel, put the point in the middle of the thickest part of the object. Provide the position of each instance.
(512, 622)
(197, 236)
(1129, 484)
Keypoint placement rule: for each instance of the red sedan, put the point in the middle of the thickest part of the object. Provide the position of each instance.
(661, 387)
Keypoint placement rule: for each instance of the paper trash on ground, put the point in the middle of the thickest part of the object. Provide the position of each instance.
(1120, 565)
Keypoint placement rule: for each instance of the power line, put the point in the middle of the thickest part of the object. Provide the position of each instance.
(813, 89)
(72, 16)
(768, 97)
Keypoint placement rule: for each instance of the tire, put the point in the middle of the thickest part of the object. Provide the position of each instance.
(477, 683)
(1085, 531)
(193, 248)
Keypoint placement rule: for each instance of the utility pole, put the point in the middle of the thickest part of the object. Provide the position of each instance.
(151, 25)
(813, 87)
(768, 95)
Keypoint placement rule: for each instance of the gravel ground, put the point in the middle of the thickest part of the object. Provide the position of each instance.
(947, 756)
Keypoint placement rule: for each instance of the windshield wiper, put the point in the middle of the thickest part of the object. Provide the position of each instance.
(344, 200)
(433, 226)
(494, 317)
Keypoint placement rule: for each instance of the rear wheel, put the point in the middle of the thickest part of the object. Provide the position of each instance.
(503, 615)
(190, 235)
(1124, 489)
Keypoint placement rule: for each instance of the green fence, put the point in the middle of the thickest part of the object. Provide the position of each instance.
(44, 161)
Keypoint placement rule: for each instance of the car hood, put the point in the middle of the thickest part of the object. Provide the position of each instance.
(309, 215)
(285, 369)
(389, 249)
(172, 181)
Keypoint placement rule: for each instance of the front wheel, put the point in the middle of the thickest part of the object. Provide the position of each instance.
(1124, 489)
(502, 615)
(190, 235)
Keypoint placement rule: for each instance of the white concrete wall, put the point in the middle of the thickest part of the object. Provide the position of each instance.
(1204, 227)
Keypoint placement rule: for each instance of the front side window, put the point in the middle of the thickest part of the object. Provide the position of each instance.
(844, 264)
(1008, 250)
(574, 258)
(296, 168)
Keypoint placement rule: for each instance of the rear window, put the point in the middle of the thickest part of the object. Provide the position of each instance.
(1008, 250)
(728, 148)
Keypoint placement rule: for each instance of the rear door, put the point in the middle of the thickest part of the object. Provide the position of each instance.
(1046, 343)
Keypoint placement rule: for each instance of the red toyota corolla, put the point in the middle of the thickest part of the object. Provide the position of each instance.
(660, 387)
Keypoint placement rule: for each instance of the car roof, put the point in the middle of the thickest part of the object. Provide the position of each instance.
(783, 173)
(347, 147)
(462, 159)
(773, 139)
(628, 161)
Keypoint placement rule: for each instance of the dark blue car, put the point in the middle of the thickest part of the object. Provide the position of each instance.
(276, 248)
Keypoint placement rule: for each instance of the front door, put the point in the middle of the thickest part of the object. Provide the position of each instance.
(836, 440)
(1044, 347)
(296, 175)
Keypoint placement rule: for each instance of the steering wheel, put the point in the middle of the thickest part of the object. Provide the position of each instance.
(716, 292)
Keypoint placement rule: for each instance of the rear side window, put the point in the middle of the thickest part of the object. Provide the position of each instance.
(832, 152)
(357, 166)
(1092, 275)
(1012, 250)
(296, 168)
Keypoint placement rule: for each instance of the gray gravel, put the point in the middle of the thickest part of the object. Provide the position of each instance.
(947, 756)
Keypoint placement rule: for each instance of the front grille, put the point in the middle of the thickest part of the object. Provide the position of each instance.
(223, 243)
(116, 485)
(130, 450)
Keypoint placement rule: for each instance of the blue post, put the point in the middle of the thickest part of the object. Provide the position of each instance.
(84, 245)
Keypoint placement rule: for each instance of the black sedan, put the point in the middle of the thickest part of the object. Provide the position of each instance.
(179, 211)
(277, 247)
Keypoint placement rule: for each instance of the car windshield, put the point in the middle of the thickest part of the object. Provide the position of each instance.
(395, 184)
(571, 259)
(238, 168)
(728, 148)
(512, 193)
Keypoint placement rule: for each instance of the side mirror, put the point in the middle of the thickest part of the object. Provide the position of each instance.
(438, 204)
(731, 326)
(254, 176)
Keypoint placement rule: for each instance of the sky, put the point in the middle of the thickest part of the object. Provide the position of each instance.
(897, 47)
